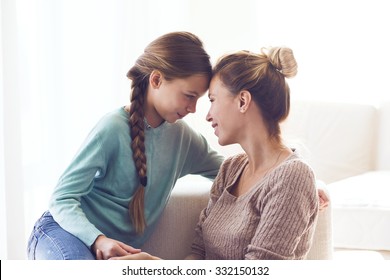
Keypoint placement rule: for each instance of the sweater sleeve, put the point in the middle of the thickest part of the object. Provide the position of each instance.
(77, 181)
(201, 159)
(288, 214)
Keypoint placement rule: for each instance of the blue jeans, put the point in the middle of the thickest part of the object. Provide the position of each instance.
(49, 241)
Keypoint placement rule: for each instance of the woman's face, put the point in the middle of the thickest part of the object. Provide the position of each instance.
(176, 98)
(223, 113)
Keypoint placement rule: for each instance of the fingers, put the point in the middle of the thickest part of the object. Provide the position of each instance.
(122, 250)
(99, 255)
(137, 256)
(106, 248)
(322, 195)
(323, 204)
(128, 248)
(323, 199)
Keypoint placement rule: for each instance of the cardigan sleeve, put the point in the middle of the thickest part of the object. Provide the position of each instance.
(78, 180)
(199, 157)
(287, 215)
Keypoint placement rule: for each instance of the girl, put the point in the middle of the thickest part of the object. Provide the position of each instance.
(110, 197)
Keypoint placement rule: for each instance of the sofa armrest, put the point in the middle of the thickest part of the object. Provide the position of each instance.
(175, 231)
(322, 246)
(173, 236)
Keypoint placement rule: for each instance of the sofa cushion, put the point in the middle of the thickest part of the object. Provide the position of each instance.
(338, 139)
(383, 148)
(361, 211)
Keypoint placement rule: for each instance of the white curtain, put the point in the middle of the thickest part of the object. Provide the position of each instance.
(64, 64)
(3, 228)
(11, 173)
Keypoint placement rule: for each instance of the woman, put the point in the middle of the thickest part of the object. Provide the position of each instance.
(264, 202)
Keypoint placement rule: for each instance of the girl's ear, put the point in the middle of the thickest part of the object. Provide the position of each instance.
(155, 79)
(245, 99)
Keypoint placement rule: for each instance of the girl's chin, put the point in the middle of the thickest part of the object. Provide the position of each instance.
(172, 119)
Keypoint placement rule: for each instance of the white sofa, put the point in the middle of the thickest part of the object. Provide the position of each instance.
(174, 234)
(348, 147)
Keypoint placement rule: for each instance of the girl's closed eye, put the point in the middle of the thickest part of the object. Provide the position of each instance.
(190, 96)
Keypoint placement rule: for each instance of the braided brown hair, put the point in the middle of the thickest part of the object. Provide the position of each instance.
(175, 55)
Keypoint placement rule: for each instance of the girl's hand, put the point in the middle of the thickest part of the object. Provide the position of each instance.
(324, 199)
(137, 256)
(106, 248)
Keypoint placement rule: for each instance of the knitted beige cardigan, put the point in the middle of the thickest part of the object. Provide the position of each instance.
(274, 220)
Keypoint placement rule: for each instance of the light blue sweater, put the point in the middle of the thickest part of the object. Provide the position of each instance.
(93, 194)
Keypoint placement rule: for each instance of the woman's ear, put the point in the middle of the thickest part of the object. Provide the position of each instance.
(155, 79)
(245, 99)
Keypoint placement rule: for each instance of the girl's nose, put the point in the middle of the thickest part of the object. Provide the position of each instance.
(192, 108)
(208, 117)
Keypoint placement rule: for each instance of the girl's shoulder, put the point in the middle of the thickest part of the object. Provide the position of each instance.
(111, 127)
(114, 121)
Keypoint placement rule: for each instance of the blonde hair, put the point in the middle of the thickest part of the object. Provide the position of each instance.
(175, 55)
(263, 75)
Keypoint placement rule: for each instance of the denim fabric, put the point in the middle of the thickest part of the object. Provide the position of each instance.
(48, 241)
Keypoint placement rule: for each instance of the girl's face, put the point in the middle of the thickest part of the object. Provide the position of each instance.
(223, 113)
(176, 98)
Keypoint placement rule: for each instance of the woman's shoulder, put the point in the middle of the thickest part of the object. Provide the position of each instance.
(296, 163)
(296, 172)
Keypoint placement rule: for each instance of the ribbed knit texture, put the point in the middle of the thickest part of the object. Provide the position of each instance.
(274, 220)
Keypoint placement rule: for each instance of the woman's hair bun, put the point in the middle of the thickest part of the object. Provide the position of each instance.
(283, 60)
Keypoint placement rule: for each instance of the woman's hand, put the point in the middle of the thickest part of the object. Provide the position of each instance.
(106, 248)
(324, 199)
(137, 256)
